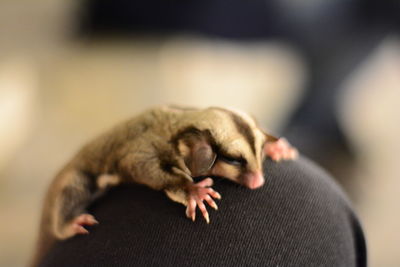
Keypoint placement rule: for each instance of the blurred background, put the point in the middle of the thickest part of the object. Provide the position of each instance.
(325, 74)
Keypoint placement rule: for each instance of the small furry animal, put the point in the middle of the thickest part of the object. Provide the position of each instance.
(162, 148)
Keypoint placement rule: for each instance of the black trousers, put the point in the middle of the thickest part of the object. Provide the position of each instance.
(300, 217)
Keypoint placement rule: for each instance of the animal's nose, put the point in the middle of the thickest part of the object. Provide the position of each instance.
(254, 180)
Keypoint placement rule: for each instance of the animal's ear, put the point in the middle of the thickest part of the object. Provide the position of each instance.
(270, 138)
(194, 146)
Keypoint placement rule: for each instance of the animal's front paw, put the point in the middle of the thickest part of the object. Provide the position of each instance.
(280, 149)
(197, 193)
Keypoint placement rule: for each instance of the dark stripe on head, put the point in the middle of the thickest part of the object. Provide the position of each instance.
(243, 128)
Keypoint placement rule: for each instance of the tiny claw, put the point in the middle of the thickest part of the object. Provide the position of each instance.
(211, 202)
(294, 154)
(80, 229)
(207, 218)
(187, 212)
(213, 193)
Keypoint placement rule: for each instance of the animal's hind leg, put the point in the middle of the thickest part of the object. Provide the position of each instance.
(68, 215)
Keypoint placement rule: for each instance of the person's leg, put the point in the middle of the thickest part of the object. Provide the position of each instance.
(298, 218)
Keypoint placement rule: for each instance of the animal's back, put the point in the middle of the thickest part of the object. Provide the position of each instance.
(134, 135)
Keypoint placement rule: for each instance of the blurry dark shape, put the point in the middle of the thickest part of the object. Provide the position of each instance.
(334, 37)
(384, 13)
(228, 19)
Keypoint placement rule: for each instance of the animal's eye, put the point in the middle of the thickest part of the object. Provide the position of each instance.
(232, 160)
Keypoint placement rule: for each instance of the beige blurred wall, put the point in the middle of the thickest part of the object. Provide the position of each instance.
(370, 116)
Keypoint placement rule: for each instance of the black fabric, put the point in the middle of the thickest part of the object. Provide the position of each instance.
(298, 218)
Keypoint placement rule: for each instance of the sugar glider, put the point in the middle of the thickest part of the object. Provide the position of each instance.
(162, 148)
